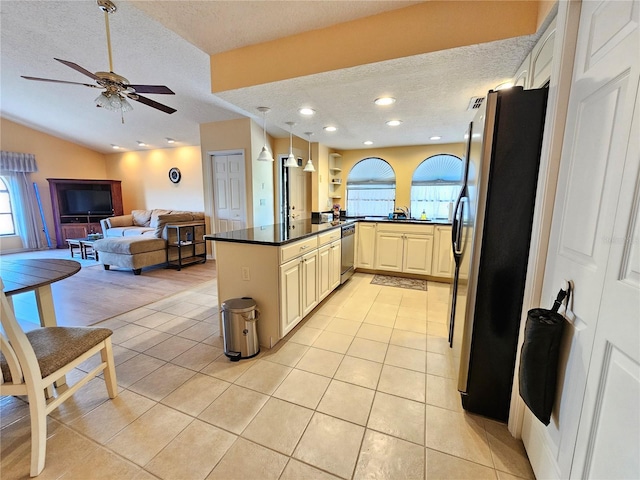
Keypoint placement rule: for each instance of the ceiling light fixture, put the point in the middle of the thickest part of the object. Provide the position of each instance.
(142, 144)
(115, 147)
(394, 123)
(291, 161)
(265, 154)
(170, 140)
(368, 142)
(383, 101)
(306, 111)
(330, 128)
(114, 102)
(309, 166)
(435, 137)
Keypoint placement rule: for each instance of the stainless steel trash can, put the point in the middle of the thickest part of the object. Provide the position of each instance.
(239, 328)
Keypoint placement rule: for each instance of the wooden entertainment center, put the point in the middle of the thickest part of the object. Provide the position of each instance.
(77, 222)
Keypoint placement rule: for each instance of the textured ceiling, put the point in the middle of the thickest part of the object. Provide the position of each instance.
(433, 90)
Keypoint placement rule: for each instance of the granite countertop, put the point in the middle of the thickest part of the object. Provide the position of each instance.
(281, 234)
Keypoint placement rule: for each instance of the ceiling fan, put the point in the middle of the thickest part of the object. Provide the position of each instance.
(116, 87)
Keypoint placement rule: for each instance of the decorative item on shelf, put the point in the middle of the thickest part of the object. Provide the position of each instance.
(336, 211)
(175, 175)
(309, 166)
(291, 161)
(265, 154)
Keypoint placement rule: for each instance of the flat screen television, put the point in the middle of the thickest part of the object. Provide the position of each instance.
(83, 202)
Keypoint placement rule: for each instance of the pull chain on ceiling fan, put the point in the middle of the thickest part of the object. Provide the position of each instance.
(116, 87)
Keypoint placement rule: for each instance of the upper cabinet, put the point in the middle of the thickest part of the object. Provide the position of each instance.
(335, 175)
(535, 71)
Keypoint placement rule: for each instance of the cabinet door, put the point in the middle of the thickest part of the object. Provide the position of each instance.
(74, 230)
(366, 241)
(418, 252)
(310, 294)
(290, 295)
(442, 265)
(389, 251)
(324, 267)
(335, 265)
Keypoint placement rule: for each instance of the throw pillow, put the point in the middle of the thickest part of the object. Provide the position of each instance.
(141, 218)
(153, 223)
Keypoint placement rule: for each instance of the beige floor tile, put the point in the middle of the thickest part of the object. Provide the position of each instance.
(347, 401)
(387, 458)
(458, 434)
(403, 338)
(162, 381)
(225, 369)
(447, 467)
(438, 345)
(382, 315)
(170, 348)
(263, 377)
(302, 388)
(418, 313)
(411, 324)
(177, 325)
(15, 445)
(146, 340)
(318, 320)
(202, 311)
(359, 371)
(246, 460)
(329, 308)
(234, 408)
(355, 312)
(197, 357)
(334, 342)
(322, 362)
(305, 335)
(408, 358)
(196, 394)
(198, 331)
(288, 353)
(12, 409)
(87, 398)
(416, 305)
(506, 476)
(443, 392)
(437, 329)
(278, 426)
(440, 365)
(129, 372)
(375, 333)
(398, 417)
(193, 453)
(507, 452)
(413, 293)
(126, 333)
(148, 435)
(330, 444)
(368, 349)
(340, 325)
(181, 308)
(296, 470)
(389, 297)
(155, 319)
(104, 465)
(402, 382)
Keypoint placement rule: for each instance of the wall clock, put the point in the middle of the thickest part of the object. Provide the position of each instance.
(175, 175)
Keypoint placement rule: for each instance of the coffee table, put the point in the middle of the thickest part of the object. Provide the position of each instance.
(85, 245)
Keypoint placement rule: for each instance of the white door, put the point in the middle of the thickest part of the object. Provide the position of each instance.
(229, 192)
(297, 193)
(594, 429)
(418, 253)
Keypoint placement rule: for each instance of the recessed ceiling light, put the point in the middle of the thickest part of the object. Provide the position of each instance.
(330, 128)
(170, 140)
(142, 144)
(435, 137)
(306, 111)
(115, 147)
(394, 123)
(384, 101)
(368, 142)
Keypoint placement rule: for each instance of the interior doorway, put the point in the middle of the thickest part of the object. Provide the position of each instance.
(229, 191)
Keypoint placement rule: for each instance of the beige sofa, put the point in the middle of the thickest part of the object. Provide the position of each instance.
(140, 239)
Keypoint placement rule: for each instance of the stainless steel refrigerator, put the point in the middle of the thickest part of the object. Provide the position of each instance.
(491, 234)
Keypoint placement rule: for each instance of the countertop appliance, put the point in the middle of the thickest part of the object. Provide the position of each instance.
(491, 233)
(348, 248)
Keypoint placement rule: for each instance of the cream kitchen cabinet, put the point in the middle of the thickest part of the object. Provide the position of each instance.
(442, 265)
(329, 257)
(366, 244)
(404, 248)
(335, 260)
(309, 282)
(418, 252)
(389, 251)
(290, 295)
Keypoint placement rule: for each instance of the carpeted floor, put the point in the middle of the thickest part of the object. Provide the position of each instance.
(390, 281)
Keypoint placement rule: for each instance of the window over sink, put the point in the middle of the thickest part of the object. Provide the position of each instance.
(435, 186)
(371, 188)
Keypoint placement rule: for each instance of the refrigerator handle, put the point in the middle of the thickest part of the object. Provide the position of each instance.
(456, 227)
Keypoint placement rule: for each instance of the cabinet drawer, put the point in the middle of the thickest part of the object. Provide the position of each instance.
(330, 236)
(296, 249)
(406, 228)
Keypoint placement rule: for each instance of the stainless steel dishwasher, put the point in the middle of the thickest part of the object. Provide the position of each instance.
(347, 244)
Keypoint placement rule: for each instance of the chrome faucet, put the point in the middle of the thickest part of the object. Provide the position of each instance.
(405, 211)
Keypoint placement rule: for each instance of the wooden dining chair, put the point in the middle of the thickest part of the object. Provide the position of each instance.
(32, 361)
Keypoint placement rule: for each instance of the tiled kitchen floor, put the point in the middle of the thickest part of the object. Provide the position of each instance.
(363, 388)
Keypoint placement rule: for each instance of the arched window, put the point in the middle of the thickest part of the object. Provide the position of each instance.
(435, 185)
(7, 225)
(371, 188)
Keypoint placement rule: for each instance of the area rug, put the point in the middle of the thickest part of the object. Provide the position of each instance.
(400, 282)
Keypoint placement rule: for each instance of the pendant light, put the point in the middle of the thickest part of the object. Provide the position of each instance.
(291, 161)
(309, 166)
(265, 154)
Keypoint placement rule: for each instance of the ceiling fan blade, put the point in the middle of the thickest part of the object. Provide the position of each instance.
(152, 103)
(60, 81)
(159, 89)
(78, 68)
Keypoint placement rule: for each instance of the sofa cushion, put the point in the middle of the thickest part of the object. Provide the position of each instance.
(137, 231)
(120, 221)
(141, 218)
(129, 245)
(153, 222)
(171, 218)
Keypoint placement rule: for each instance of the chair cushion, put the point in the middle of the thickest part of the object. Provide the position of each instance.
(130, 245)
(55, 347)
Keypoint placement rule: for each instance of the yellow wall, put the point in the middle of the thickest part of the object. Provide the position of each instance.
(146, 182)
(56, 158)
(403, 160)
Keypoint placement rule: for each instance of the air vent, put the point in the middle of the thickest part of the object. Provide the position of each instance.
(475, 103)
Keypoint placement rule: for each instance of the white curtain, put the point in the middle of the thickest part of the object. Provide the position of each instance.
(433, 200)
(16, 169)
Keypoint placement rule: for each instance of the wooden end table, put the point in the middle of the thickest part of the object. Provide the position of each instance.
(85, 245)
